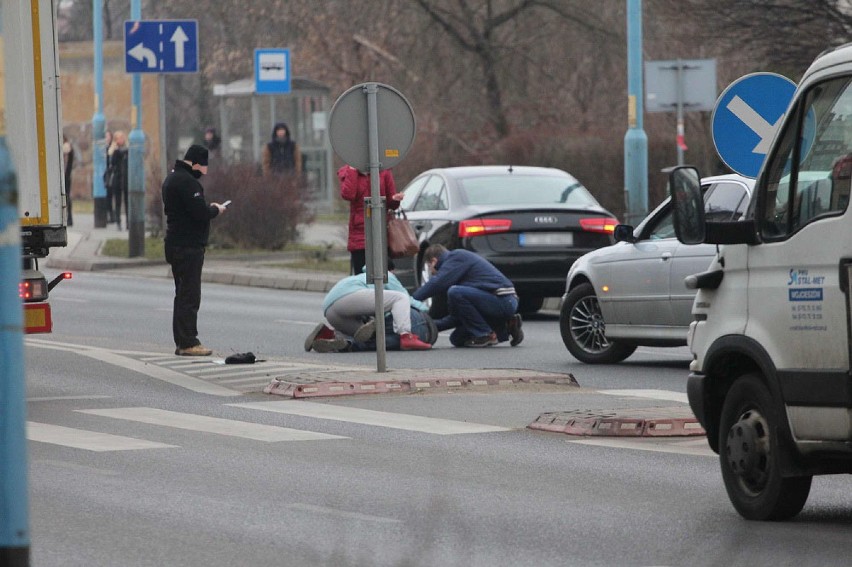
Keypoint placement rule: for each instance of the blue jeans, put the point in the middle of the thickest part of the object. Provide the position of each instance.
(420, 327)
(477, 313)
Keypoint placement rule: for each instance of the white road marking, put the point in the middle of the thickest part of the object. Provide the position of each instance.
(371, 417)
(341, 513)
(88, 440)
(219, 426)
(150, 370)
(686, 448)
(61, 299)
(57, 398)
(666, 395)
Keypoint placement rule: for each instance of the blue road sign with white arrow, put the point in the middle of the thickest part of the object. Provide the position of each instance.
(161, 46)
(746, 117)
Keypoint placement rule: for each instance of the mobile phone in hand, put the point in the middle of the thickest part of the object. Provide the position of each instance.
(226, 203)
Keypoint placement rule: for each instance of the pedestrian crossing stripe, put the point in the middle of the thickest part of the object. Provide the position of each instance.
(207, 424)
(370, 417)
(87, 440)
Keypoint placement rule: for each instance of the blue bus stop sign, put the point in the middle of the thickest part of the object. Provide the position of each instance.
(161, 46)
(746, 117)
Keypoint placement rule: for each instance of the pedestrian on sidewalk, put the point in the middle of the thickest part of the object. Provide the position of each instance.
(68, 165)
(349, 307)
(187, 229)
(354, 187)
(116, 175)
(281, 156)
(482, 301)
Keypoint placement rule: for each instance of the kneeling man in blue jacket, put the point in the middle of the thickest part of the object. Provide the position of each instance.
(482, 301)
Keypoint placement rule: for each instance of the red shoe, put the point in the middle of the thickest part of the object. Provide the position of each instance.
(321, 332)
(409, 341)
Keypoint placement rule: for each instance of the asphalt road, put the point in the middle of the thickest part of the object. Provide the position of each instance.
(129, 470)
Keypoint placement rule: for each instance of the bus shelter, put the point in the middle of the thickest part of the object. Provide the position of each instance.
(246, 120)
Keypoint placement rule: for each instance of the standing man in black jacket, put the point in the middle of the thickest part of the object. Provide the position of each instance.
(187, 228)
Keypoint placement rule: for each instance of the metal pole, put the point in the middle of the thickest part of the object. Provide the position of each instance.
(136, 159)
(679, 69)
(635, 140)
(255, 130)
(378, 236)
(14, 506)
(164, 141)
(98, 121)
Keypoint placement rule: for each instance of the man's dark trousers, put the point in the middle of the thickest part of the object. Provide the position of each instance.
(471, 310)
(186, 265)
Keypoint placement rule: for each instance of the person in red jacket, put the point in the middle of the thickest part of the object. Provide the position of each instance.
(354, 187)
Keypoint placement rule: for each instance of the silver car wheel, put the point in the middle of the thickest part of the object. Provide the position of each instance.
(587, 325)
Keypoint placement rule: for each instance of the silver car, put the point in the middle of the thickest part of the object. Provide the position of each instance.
(632, 293)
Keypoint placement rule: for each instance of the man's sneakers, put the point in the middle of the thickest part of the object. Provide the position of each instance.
(365, 332)
(336, 344)
(321, 331)
(197, 350)
(410, 341)
(514, 324)
(484, 341)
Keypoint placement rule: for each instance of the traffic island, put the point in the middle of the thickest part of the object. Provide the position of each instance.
(354, 382)
(642, 422)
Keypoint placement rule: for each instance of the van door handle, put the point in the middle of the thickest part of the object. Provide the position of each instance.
(666, 256)
(419, 226)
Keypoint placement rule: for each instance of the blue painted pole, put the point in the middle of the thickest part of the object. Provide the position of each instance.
(98, 121)
(635, 140)
(136, 168)
(14, 506)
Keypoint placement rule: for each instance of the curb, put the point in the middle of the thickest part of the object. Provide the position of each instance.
(317, 387)
(650, 422)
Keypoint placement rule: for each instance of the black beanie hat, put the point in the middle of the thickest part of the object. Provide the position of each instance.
(196, 154)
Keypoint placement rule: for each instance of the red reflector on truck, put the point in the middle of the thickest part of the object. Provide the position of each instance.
(37, 318)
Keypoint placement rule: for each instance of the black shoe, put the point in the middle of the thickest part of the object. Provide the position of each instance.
(484, 341)
(515, 331)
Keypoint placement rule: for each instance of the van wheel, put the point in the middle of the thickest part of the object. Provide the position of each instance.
(584, 331)
(750, 455)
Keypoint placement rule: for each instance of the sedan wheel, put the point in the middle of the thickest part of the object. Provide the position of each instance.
(584, 330)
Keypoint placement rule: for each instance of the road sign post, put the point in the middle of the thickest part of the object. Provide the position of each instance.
(746, 118)
(152, 46)
(384, 117)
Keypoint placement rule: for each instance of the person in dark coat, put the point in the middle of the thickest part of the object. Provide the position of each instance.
(354, 187)
(281, 156)
(117, 175)
(213, 142)
(187, 229)
(482, 301)
(68, 159)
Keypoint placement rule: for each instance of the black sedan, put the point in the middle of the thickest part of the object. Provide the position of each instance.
(530, 222)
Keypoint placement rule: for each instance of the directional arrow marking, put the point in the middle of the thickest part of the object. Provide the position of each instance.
(756, 122)
(140, 53)
(179, 38)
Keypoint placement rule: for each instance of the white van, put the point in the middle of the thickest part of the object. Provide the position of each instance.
(772, 330)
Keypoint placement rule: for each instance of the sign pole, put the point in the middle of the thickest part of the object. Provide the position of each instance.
(635, 140)
(135, 167)
(99, 148)
(378, 236)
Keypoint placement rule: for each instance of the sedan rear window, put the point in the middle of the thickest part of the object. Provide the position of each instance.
(524, 190)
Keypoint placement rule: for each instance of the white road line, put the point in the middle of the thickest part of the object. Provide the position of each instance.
(649, 445)
(157, 358)
(666, 395)
(341, 513)
(57, 398)
(236, 369)
(61, 299)
(260, 379)
(150, 370)
(88, 440)
(219, 426)
(370, 417)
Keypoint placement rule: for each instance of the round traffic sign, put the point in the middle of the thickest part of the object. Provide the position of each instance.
(746, 117)
(349, 130)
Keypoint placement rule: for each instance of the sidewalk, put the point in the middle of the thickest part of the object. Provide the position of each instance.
(85, 242)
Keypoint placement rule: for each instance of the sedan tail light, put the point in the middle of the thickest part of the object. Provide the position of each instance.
(599, 224)
(476, 227)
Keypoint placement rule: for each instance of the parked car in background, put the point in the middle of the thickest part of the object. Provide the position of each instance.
(530, 222)
(633, 293)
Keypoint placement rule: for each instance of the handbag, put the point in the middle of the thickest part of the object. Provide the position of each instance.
(402, 241)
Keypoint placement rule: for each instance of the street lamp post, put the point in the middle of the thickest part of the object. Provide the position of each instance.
(635, 140)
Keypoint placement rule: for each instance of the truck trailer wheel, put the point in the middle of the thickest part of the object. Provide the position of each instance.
(584, 331)
(749, 453)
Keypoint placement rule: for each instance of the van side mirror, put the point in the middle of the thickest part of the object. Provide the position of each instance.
(687, 204)
(623, 233)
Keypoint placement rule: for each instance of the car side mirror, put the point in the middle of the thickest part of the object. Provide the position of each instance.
(688, 204)
(623, 233)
